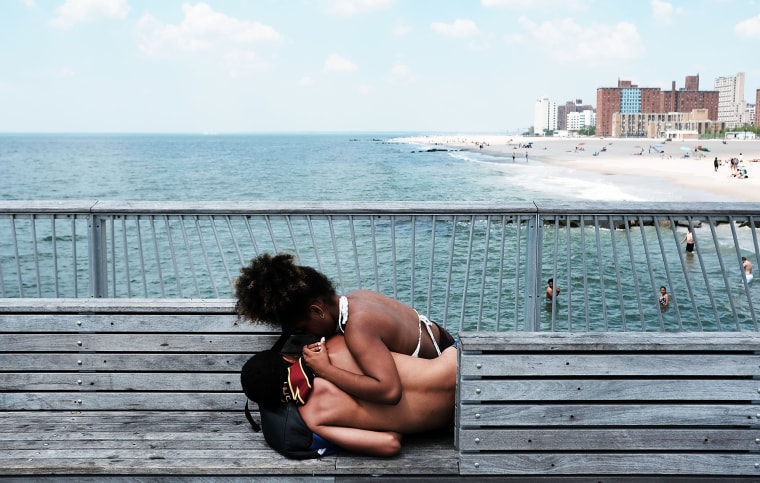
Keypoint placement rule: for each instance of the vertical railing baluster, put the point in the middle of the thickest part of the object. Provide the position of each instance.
(500, 278)
(373, 231)
(745, 283)
(483, 278)
(143, 270)
(582, 224)
(601, 272)
(355, 252)
(126, 255)
(616, 264)
(14, 240)
(190, 256)
(431, 269)
(55, 255)
(36, 251)
(204, 252)
(534, 252)
(648, 257)
(173, 254)
(97, 262)
(447, 292)
(75, 265)
(112, 236)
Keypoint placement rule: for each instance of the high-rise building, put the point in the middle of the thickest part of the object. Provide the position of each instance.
(570, 107)
(628, 98)
(730, 99)
(544, 116)
(757, 111)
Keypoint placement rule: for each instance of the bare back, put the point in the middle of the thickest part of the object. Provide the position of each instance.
(427, 400)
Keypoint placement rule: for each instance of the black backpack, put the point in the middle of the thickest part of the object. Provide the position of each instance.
(283, 427)
(285, 431)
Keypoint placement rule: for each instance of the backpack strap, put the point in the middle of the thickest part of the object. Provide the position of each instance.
(248, 416)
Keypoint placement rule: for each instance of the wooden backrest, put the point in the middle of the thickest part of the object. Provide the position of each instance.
(148, 355)
(609, 403)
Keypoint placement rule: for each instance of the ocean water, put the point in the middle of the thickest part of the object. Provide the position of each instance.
(289, 167)
(352, 167)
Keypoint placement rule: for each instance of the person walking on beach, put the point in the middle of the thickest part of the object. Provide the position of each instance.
(716, 164)
(747, 266)
(689, 239)
(664, 299)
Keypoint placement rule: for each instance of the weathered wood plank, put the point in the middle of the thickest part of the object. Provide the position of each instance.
(115, 306)
(142, 381)
(609, 341)
(547, 390)
(657, 364)
(612, 439)
(169, 401)
(578, 415)
(121, 323)
(609, 464)
(166, 342)
(112, 362)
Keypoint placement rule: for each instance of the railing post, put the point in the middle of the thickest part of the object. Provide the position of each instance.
(532, 269)
(97, 256)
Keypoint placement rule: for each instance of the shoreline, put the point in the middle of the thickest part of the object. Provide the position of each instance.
(677, 162)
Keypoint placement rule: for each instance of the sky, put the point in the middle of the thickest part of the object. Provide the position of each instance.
(423, 66)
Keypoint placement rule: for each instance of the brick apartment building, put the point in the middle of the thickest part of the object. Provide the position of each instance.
(628, 98)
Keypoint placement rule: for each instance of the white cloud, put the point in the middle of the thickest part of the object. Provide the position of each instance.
(401, 72)
(401, 28)
(461, 28)
(203, 29)
(663, 11)
(749, 28)
(306, 81)
(566, 40)
(365, 89)
(336, 63)
(353, 7)
(73, 12)
(537, 4)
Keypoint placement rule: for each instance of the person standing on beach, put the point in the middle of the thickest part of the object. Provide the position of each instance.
(689, 239)
(716, 164)
(513, 157)
(747, 266)
(526, 156)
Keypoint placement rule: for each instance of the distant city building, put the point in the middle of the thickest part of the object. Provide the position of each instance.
(731, 104)
(628, 98)
(669, 125)
(569, 108)
(749, 114)
(757, 103)
(576, 121)
(544, 116)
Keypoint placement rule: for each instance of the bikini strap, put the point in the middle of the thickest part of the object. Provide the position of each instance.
(424, 320)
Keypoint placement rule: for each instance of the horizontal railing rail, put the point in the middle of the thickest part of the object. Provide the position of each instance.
(470, 266)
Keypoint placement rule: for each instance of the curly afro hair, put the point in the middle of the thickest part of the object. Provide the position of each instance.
(274, 289)
(262, 378)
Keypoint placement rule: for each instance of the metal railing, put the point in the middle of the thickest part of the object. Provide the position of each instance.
(467, 265)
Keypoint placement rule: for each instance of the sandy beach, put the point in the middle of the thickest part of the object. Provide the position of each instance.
(678, 162)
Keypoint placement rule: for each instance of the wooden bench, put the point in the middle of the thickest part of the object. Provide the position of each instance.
(645, 404)
(151, 387)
